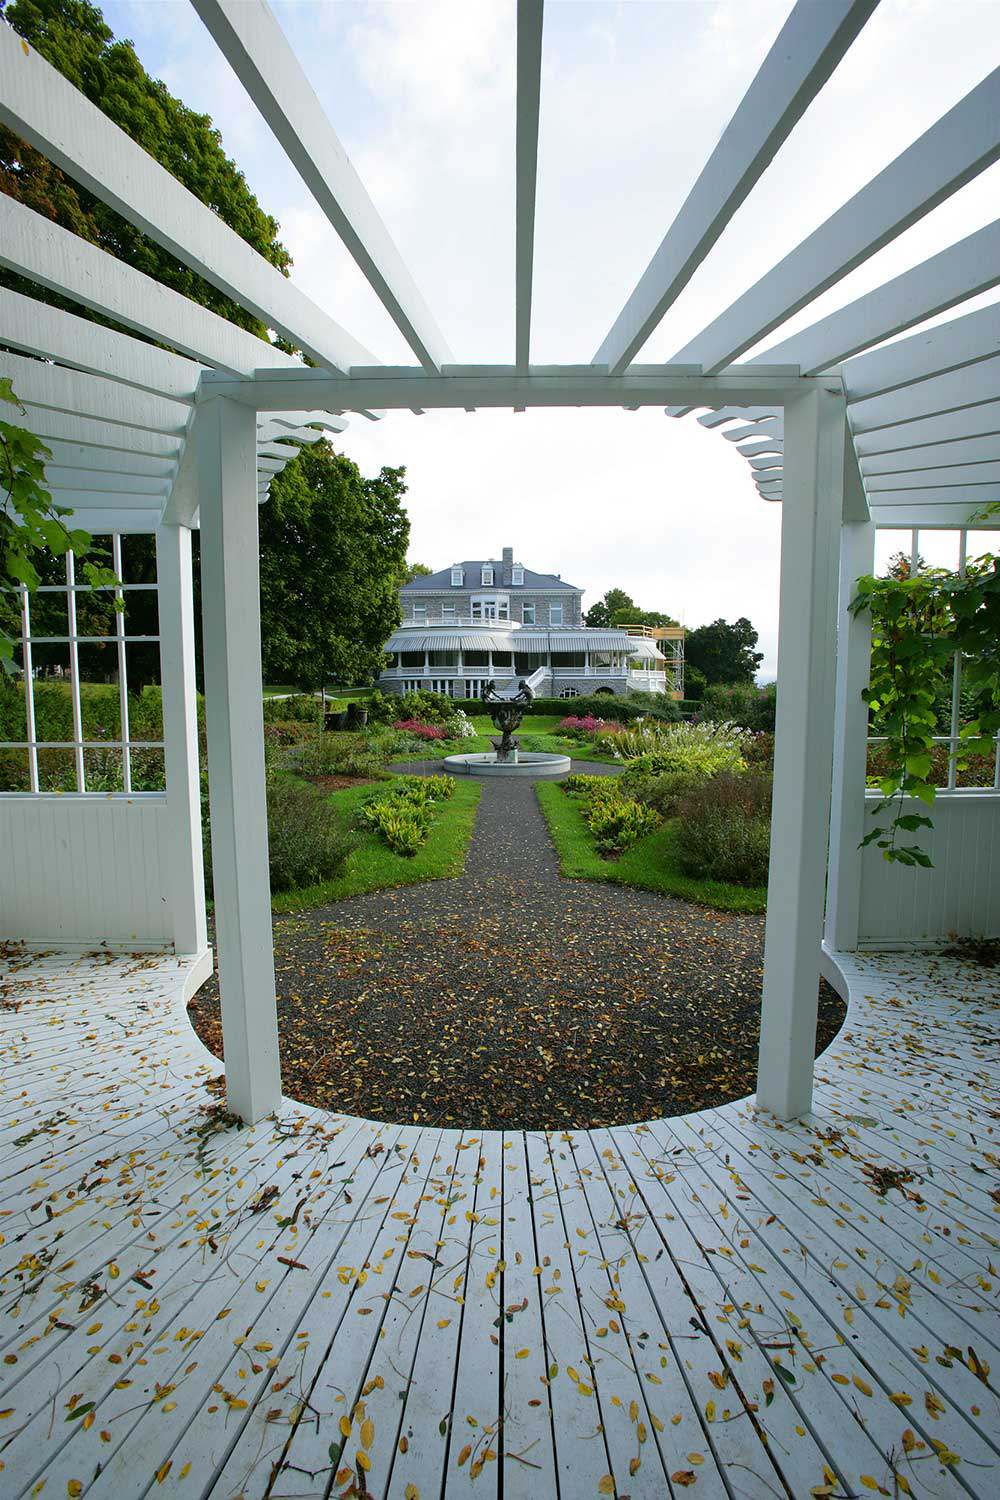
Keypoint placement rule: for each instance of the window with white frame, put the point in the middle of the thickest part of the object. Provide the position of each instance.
(420, 614)
(85, 715)
(915, 550)
(490, 607)
(517, 575)
(457, 577)
(487, 575)
(555, 614)
(527, 614)
(447, 612)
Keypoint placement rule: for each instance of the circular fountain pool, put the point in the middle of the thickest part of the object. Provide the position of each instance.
(527, 763)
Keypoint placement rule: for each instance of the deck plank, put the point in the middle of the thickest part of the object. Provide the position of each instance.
(514, 1307)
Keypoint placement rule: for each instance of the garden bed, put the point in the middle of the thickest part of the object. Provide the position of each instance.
(371, 866)
(651, 864)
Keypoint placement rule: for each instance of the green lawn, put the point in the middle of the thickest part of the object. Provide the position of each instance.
(372, 866)
(651, 865)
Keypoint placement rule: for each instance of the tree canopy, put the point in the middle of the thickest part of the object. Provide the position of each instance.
(724, 652)
(332, 558)
(619, 608)
(73, 36)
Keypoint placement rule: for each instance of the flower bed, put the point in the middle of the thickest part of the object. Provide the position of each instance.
(421, 731)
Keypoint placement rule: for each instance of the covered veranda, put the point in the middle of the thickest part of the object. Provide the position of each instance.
(791, 1295)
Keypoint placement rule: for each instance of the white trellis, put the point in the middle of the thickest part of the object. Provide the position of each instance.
(847, 435)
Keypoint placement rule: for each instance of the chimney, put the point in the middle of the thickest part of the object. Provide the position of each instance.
(508, 566)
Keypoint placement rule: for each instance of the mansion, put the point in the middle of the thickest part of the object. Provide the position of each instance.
(495, 619)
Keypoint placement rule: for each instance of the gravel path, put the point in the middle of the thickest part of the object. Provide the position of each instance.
(513, 998)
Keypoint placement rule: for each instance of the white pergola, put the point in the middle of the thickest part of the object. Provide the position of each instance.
(846, 431)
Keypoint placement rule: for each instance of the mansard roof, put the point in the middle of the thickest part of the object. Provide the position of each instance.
(434, 582)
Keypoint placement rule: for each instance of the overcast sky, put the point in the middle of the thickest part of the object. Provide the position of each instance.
(634, 96)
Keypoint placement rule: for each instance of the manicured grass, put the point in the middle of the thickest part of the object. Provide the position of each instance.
(651, 864)
(372, 866)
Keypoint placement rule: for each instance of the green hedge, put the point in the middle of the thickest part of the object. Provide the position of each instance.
(607, 706)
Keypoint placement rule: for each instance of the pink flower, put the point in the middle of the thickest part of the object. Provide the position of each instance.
(422, 731)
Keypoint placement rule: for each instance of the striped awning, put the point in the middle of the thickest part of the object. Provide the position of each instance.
(497, 638)
(575, 640)
(435, 640)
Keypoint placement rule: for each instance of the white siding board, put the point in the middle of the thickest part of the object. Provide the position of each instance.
(958, 897)
(84, 870)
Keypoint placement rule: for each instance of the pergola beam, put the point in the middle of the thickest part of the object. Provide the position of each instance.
(502, 386)
(956, 474)
(38, 328)
(257, 50)
(948, 427)
(950, 346)
(963, 270)
(44, 108)
(55, 258)
(959, 146)
(804, 54)
(110, 460)
(78, 394)
(529, 77)
(58, 477)
(982, 450)
(931, 517)
(101, 435)
(958, 494)
(973, 386)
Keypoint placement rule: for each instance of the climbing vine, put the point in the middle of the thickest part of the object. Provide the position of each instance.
(31, 525)
(919, 622)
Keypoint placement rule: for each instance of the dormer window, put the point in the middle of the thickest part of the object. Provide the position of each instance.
(517, 574)
(457, 578)
(487, 578)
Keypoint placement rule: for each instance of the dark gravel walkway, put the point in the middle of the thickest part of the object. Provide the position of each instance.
(513, 998)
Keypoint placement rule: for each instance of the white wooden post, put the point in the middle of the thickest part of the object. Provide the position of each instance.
(180, 738)
(850, 743)
(810, 521)
(230, 592)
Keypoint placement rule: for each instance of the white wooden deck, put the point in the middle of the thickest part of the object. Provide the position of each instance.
(327, 1305)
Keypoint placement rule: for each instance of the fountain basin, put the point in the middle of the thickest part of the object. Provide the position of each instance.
(528, 763)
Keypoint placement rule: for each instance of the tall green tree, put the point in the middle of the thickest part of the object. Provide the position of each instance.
(619, 608)
(724, 652)
(73, 36)
(332, 559)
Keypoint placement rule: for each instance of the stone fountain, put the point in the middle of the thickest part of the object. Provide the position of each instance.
(505, 707)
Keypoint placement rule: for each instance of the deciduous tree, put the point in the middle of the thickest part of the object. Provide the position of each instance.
(333, 555)
(724, 652)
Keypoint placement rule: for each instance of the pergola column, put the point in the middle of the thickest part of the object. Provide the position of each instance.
(175, 601)
(810, 522)
(227, 482)
(850, 743)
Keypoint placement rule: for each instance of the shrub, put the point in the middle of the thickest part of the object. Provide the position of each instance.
(724, 829)
(741, 703)
(586, 727)
(346, 754)
(702, 749)
(403, 825)
(401, 811)
(298, 708)
(306, 840)
(619, 822)
(459, 726)
(615, 820)
(427, 708)
(421, 731)
(655, 705)
(626, 710)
